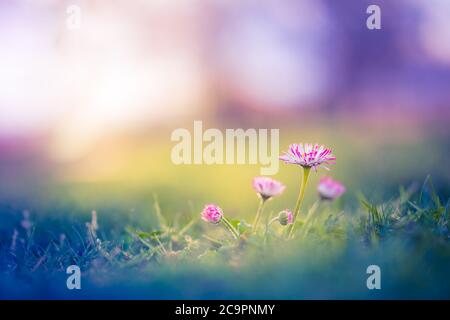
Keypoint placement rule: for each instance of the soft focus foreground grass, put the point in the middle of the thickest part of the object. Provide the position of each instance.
(407, 237)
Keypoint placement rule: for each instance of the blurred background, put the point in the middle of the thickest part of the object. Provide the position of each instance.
(86, 114)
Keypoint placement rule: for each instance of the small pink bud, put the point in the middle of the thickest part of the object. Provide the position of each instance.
(285, 217)
(212, 213)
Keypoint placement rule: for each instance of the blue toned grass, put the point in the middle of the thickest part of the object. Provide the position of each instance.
(184, 258)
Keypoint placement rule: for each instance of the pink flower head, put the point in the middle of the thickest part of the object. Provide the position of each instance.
(308, 155)
(212, 213)
(330, 189)
(267, 187)
(286, 217)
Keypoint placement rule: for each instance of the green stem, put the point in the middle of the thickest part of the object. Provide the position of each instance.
(267, 228)
(269, 221)
(230, 228)
(258, 215)
(273, 220)
(301, 195)
(307, 225)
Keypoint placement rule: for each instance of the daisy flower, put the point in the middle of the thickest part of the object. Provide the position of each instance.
(330, 189)
(267, 187)
(213, 214)
(308, 155)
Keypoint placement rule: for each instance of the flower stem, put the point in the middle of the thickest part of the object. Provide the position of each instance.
(301, 195)
(308, 223)
(273, 220)
(230, 228)
(258, 215)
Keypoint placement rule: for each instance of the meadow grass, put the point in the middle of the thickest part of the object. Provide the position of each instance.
(407, 236)
(149, 240)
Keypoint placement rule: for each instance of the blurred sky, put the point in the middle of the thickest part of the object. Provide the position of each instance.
(135, 64)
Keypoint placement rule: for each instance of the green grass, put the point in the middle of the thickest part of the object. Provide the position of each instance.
(184, 257)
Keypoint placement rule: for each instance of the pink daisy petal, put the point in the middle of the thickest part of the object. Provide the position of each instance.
(308, 155)
(330, 189)
(267, 187)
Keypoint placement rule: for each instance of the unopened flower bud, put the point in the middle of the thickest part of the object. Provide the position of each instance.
(285, 217)
(212, 213)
